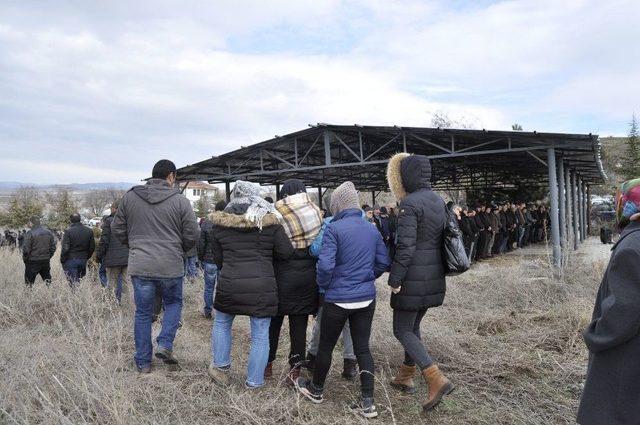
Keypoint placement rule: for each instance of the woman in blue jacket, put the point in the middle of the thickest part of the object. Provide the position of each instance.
(353, 255)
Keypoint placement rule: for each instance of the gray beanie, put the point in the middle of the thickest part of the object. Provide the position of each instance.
(344, 197)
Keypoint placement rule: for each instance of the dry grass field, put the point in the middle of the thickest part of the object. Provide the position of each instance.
(508, 336)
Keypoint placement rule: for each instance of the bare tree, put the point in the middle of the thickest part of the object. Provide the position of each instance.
(99, 200)
(443, 120)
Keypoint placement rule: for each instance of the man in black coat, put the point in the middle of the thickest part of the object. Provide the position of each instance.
(612, 390)
(37, 250)
(78, 245)
(114, 256)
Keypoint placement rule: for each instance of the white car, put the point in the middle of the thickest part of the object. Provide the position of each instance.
(95, 221)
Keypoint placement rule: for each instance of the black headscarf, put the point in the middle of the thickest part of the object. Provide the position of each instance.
(291, 187)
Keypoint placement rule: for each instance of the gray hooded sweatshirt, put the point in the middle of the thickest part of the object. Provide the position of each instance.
(158, 225)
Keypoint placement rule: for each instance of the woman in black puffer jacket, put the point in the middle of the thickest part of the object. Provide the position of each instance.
(417, 277)
(296, 276)
(247, 238)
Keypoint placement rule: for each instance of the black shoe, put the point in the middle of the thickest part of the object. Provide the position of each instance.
(349, 371)
(307, 389)
(166, 356)
(365, 408)
(310, 364)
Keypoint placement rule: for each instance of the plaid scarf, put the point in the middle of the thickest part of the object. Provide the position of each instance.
(301, 219)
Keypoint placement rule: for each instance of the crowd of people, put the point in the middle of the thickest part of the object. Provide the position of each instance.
(290, 260)
(490, 229)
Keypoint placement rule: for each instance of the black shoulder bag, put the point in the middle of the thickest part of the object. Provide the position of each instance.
(455, 257)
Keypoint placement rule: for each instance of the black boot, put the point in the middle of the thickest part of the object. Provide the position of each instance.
(310, 364)
(349, 371)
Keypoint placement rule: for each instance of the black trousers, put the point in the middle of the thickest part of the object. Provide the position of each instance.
(333, 320)
(406, 329)
(297, 337)
(34, 268)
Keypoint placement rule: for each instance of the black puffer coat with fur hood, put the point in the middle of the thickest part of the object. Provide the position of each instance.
(245, 254)
(418, 262)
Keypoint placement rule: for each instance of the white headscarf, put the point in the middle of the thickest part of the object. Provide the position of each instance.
(247, 193)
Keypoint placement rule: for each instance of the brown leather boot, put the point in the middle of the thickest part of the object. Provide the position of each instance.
(403, 380)
(439, 386)
(268, 371)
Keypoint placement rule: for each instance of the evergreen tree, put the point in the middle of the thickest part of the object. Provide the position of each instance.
(204, 205)
(63, 206)
(631, 166)
(25, 202)
(516, 127)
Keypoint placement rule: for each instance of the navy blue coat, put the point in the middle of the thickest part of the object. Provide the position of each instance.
(353, 255)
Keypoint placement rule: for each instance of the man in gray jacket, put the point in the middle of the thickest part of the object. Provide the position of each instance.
(158, 225)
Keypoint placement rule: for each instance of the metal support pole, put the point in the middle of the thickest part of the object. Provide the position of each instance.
(561, 190)
(574, 212)
(320, 196)
(580, 205)
(327, 147)
(277, 191)
(553, 213)
(373, 198)
(227, 191)
(567, 202)
(588, 209)
(583, 190)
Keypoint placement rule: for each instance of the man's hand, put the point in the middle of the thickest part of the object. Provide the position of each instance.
(395, 290)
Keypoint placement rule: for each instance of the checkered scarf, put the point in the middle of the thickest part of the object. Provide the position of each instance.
(301, 219)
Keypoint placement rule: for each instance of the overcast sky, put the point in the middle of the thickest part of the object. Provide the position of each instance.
(99, 90)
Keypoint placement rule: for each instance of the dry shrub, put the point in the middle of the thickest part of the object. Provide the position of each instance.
(508, 336)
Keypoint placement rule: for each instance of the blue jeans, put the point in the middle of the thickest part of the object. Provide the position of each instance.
(190, 268)
(102, 274)
(221, 339)
(75, 269)
(210, 279)
(144, 292)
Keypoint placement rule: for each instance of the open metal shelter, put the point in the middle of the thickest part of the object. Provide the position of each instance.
(325, 155)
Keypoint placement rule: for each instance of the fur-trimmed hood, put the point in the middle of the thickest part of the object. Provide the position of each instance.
(408, 173)
(236, 221)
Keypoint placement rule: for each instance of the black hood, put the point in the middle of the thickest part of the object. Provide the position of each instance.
(155, 191)
(415, 171)
(292, 187)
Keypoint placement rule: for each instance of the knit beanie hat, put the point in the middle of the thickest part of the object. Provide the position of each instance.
(628, 200)
(344, 197)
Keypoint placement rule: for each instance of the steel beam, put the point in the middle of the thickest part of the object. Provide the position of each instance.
(373, 198)
(583, 190)
(588, 209)
(320, 196)
(277, 191)
(553, 210)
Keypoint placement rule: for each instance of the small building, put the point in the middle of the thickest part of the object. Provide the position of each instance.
(196, 189)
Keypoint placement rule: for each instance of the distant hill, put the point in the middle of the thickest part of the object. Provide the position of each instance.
(80, 187)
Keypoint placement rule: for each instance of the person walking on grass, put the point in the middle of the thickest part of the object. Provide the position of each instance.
(353, 255)
(205, 255)
(349, 370)
(38, 248)
(114, 256)
(247, 238)
(417, 277)
(78, 245)
(611, 393)
(158, 225)
(296, 276)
